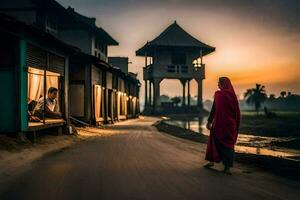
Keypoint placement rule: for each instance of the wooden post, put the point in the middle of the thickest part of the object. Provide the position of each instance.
(183, 82)
(146, 93)
(88, 94)
(146, 60)
(66, 92)
(183, 95)
(199, 100)
(201, 57)
(105, 98)
(23, 83)
(147, 102)
(156, 95)
(45, 87)
(34, 137)
(150, 93)
(129, 101)
(199, 80)
(117, 98)
(189, 95)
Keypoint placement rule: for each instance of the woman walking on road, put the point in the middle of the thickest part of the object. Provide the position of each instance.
(223, 123)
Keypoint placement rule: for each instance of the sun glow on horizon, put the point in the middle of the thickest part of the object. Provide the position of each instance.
(258, 45)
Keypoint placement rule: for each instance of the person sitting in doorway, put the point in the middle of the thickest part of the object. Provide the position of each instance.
(52, 107)
(30, 107)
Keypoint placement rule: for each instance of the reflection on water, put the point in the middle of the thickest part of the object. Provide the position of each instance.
(246, 143)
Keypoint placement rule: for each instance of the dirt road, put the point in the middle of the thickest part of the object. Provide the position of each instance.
(138, 162)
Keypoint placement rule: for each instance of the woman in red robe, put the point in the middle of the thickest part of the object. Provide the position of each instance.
(223, 123)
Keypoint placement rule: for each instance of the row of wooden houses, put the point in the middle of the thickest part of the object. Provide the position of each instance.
(43, 45)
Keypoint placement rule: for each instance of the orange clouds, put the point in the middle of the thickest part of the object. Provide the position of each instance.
(248, 51)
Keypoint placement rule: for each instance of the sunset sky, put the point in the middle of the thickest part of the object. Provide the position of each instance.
(257, 41)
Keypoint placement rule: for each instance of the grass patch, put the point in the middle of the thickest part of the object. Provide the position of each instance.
(285, 124)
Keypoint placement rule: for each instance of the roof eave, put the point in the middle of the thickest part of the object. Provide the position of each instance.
(209, 51)
(93, 28)
(32, 31)
(148, 48)
(108, 38)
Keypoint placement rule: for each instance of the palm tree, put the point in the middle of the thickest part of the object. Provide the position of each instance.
(256, 96)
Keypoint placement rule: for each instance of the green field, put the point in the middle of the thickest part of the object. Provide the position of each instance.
(286, 124)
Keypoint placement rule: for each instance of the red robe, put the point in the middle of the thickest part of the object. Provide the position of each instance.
(225, 117)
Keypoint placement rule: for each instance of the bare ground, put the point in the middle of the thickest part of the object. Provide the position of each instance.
(133, 160)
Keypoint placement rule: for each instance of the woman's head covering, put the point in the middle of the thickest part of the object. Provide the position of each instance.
(225, 85)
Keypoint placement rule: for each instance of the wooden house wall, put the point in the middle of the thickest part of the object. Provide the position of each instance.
(82, 78)
(98, 94)
(122, 98)
(109, 96)
(76, 102)
(115, 97)
(51, 60)
(119, 96)
(8, 83)
(133, 100)
(114, 94)
(80, 91)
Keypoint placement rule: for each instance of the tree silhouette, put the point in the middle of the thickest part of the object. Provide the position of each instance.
(176, 100)
(256, 96)
(283, 94)
(164, 98)
(272, 97)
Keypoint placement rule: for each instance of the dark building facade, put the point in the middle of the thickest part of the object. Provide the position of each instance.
(46, 45)
(31, 62)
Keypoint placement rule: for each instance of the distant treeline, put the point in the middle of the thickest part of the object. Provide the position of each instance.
(286, 101)
(289, 102)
